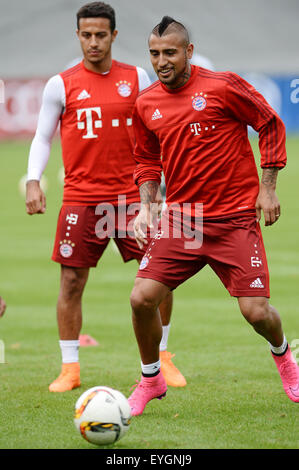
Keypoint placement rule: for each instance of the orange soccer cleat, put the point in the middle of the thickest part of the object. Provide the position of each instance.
(68, 379)
(172, 375)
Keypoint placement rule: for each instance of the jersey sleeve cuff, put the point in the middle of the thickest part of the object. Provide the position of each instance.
(33, 174)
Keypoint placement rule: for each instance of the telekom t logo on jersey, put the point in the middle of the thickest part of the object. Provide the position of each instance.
(89, 123)
(91, 119)
(195, 128)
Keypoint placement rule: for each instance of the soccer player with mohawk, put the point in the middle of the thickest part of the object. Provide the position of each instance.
(197, 120)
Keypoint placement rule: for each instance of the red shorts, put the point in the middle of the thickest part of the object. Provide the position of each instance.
(233, 248)
(82, 235)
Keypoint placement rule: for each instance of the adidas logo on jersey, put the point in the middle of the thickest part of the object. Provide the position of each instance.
(156, 115)
(83, 95)
(257, 284)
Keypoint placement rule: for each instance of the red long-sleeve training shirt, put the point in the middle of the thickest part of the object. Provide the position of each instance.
(200, 129)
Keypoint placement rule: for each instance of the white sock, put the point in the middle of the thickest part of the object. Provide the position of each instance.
(279, 349)
(69, 350)
(150, 369)
(164, 340)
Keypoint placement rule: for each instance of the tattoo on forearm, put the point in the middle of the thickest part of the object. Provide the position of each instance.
(148, 192)
(269, 177)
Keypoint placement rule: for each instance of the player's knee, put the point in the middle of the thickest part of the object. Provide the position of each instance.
(72, 282)
(256, 311)
(142, 300)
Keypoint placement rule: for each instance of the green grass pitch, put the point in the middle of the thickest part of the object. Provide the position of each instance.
(234, 398)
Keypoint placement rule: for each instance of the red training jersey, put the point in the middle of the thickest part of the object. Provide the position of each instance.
(200, 129)
(97, 135)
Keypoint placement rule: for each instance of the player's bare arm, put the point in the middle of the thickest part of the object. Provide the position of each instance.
(148, 192)
(267, 200)
(35, 198)
(148, 211)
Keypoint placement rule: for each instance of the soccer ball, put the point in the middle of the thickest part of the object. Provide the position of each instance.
(102, 415)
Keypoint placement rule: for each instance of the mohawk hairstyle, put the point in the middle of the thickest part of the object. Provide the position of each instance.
(175, 26)
(166, 21)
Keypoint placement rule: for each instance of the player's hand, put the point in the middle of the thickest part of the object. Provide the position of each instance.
(2, 307)
(35, 198)
(267, 201)
(147, 218)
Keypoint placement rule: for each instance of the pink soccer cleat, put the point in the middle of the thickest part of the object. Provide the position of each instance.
(289, 374)
(147, 389)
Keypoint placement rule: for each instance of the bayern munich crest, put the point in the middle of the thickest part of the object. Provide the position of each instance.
(124, 88)
(199, 101)
(144, 262)
(66, 248)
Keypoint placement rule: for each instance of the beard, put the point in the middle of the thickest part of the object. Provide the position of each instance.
(177, 78)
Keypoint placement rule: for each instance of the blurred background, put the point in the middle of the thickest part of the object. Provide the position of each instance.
(257, 39)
